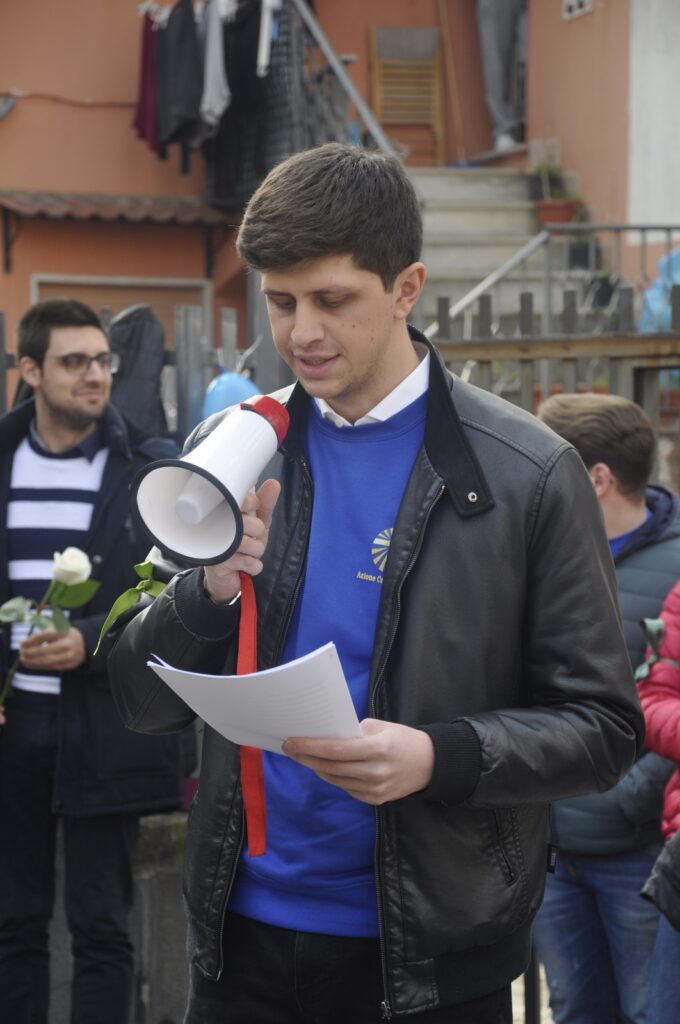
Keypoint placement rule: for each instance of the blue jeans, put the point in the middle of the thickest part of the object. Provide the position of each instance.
(595, 934)
(664, 981)
(98, 883)
(278, 976)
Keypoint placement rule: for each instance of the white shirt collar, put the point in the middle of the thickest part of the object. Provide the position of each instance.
(407, 391)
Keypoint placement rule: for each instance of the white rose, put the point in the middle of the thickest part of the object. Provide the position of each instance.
(71, 566)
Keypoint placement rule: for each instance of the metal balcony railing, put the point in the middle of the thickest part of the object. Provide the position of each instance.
(574, 278)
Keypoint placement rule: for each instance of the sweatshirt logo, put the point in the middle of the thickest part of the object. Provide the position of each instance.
(381, 548)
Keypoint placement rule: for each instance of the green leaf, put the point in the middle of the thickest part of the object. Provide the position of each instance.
(75, 595)
(39, 621)
(17, 609)
(147, 585)
(54, 594)
(144, 570)
(61, 623)
(126, 600)
(153, 587)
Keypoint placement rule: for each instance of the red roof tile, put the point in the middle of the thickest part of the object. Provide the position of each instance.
(86, 206)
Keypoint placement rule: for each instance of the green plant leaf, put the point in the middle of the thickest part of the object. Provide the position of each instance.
(124, 601)
(61, 623)
(17, 609)
(147, 585)
(144, 570)
(75, 595)
(39, 621)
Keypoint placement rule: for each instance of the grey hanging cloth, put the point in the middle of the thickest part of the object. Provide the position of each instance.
(179, 80)
(137, 336)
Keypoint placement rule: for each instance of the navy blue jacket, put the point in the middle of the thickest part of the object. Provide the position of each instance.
(102, 767)
(628, 817)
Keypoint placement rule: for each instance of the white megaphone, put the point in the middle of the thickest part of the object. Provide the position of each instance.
(192, 506)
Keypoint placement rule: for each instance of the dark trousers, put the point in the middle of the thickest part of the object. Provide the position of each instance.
(277, 976)
(98, 887)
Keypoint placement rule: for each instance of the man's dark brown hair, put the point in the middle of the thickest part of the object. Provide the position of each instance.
(605, 428)
(334, 200)
(38, 322)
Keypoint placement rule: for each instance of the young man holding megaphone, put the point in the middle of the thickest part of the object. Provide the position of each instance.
(451, 547)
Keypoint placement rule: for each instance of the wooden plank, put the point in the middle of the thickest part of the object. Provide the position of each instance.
(661, 348)
(626, 310)
(485, 316)
(526, 387)
(569, 375)
(614, 375)
(626, 386)
(443, 318)
(526, 314)
(482, 375)
(675, 307)
(646, 393)
(569, 311)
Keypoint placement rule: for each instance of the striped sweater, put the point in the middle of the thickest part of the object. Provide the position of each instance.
(50, 508)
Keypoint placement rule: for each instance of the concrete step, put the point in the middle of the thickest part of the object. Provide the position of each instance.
(469, 184)
(444, 220)
(478, 254)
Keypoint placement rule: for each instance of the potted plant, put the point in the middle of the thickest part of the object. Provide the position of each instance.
(554, 201)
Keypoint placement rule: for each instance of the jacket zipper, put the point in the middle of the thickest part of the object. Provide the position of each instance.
(230, 886)
(298, 582)
(385, 1006)
(508, 869)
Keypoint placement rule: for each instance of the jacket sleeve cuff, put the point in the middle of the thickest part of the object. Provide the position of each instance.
(457, 761)
(198, 613)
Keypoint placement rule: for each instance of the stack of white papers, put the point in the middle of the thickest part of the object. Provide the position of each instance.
(306, 697)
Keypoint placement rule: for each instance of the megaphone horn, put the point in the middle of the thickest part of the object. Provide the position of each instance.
(191, 506)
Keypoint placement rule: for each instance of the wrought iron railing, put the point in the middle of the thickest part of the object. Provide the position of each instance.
(575, 278)
(327, 105)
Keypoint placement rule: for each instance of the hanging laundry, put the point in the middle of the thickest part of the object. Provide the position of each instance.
(145, 122)
(216, 92)
(268, 9)
(240, 126)
(228, 9)
(179, 80)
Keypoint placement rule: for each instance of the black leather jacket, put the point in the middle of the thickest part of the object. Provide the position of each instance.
(498, 631)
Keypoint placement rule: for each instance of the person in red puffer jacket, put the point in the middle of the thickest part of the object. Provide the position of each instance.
(660, 697)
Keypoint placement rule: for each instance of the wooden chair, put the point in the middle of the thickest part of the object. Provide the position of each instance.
(406, 89)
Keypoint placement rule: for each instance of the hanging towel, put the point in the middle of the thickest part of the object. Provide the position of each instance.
(216, 93)
(145, 122)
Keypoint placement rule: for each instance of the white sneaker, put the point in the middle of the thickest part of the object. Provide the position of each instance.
(504, 142)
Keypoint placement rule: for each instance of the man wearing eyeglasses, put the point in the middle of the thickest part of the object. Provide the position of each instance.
(67, 458)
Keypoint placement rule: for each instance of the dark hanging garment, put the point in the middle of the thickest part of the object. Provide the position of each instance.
(179, 80)
(145, 123)
(241, 122)
(137, 336)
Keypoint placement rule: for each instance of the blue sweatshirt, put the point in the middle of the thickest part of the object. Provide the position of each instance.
(317, 873)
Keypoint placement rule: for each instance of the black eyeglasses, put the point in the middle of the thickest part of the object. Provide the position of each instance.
(78, 363)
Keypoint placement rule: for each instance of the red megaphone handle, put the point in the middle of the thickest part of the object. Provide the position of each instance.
(252, 769)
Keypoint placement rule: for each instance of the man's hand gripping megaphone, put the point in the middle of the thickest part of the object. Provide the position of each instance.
(222, 582)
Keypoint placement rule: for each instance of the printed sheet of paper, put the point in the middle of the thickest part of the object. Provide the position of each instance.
(306, 697)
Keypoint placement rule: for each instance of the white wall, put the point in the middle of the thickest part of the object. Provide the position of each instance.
(654, 115)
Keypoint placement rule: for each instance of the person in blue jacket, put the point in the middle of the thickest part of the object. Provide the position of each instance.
(594, 934)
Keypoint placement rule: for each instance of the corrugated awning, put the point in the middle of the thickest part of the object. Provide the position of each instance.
(98, 206)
